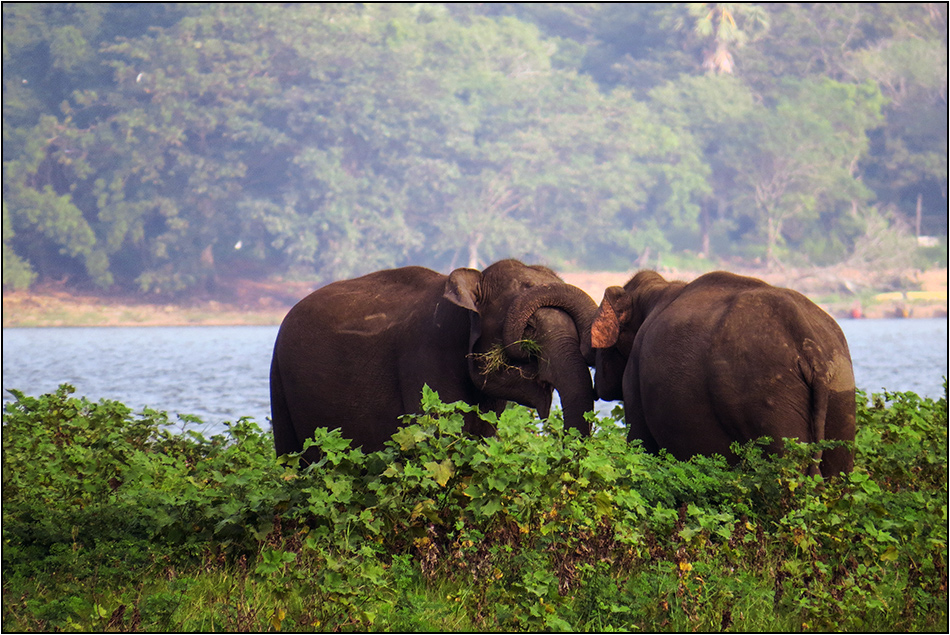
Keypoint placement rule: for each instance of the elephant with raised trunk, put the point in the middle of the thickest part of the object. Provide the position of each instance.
(355, 354)
(724, 358)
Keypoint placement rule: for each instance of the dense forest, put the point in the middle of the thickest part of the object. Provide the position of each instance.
(157, 146)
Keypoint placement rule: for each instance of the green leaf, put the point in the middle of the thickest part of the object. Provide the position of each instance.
(408, 437)
(442, 471)
(603, 502)
(430, 399)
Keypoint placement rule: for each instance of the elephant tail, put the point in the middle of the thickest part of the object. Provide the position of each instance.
(816, 376)
(285, 437)
(820, 397)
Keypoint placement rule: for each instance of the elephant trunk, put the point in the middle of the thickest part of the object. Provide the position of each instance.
(563, 366)
(574, 387)
(574, 301)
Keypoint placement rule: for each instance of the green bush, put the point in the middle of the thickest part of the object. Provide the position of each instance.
(110, 522)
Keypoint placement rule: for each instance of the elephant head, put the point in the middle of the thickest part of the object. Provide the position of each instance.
(617, 322)
(527, 329)
(623, 309)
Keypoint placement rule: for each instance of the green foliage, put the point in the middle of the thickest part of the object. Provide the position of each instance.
(111, 522)
(154, 147)
(17, 273)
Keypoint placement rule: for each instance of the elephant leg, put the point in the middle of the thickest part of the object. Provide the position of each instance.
(839, 424)
(633, 409)
(285, 437)
(608, 380)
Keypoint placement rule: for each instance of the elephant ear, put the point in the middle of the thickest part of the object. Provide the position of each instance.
(613, 312)
(462, 288)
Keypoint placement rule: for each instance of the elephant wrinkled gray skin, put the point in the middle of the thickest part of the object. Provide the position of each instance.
(724, 358)
(355, 354)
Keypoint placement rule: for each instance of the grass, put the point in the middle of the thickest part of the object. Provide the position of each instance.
(496, 359)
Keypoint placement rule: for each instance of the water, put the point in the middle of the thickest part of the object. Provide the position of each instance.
(898, 355)
(220, 373)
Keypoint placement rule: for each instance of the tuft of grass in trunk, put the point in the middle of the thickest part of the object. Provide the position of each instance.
(496, 359)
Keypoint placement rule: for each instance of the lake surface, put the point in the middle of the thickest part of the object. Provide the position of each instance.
(220, 373)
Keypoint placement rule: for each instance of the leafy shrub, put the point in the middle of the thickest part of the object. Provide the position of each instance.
(532, 529)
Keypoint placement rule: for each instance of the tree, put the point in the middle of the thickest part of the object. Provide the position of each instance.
(716, 25)
(50, 51)
(908, 160)
(158, 146)
(714, 110)
(348, 139)
(902, 47)
(17, 272)
(800, 157)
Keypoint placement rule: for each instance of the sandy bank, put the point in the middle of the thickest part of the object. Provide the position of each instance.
(251, 302)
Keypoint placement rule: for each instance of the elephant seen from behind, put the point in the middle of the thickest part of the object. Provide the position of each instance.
(355, 354)
(721, 359)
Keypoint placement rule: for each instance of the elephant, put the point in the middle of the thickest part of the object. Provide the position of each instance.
(724, 358)
(355, 354)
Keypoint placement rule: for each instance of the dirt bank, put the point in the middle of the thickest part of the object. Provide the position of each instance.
(254, 302)
(838, 290)
(235, 302)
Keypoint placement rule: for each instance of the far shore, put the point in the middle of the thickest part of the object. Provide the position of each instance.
(844, 293)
